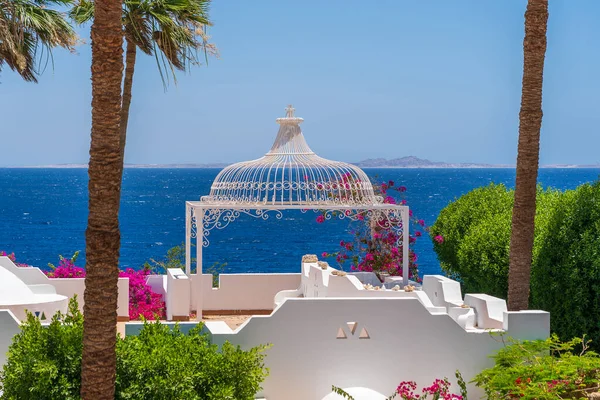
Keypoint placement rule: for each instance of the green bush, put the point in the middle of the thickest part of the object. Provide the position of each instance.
(457, 218)
(483, 256)
(541, 369)
(566, 274)
(163, 363)
(476, 230)
(44, 363)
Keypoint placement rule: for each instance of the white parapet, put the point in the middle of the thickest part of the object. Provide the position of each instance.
(443, 292)
(238, 292)
(177, 299)
(488, 309)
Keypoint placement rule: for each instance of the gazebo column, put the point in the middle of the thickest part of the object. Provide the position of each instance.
(198, 280)
(188, 239)
(405, 244)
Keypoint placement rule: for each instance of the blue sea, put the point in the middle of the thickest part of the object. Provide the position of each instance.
(44, 214)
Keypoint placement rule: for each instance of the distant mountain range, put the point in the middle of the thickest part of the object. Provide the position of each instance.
(402, 162)
(415, 162)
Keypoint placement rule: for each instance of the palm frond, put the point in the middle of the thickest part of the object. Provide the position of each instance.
(29, 30)
(178, 33)
(82, 12)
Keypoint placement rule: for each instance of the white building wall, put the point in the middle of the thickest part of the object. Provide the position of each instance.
(406, 342)
(9, 327)
(67, 286)
(240, 291)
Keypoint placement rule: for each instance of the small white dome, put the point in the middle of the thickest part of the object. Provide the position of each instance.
(292, 174)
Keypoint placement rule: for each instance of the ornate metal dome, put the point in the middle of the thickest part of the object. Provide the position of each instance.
(292, 174)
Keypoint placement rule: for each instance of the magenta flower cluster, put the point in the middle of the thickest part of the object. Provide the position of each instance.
(376, 246)
(66, 269)
(143, 301)
(440, 389)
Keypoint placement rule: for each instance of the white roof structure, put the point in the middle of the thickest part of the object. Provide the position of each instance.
(292, 174)
(17, 296)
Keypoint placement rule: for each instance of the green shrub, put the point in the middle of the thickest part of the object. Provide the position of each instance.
(566, 274)
(163, 363)
(483, 256)
(457, 218)
(541, 369)
(476, 230)
(44, 363)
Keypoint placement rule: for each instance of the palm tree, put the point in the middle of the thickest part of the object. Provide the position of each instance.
(29, 30)
(98, 365)
(171, 30)
(530, 122)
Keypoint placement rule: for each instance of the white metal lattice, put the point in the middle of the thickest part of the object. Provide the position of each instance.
(291, 173)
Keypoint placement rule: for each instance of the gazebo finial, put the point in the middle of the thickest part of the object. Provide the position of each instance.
(289, 111)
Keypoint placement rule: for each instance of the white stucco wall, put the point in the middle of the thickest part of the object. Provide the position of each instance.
(9, 327)
(177, 299)
(406, 342)
(240, 291)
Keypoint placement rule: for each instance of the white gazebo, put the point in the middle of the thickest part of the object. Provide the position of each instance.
(290, 177)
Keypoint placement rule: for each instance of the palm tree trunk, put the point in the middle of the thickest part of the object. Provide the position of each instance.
(130, 55)
(530, 122)
(98, 366)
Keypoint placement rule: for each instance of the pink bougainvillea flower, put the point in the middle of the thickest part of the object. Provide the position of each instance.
(369, 257)
(401, 189)
(389, 200)
(418, 233)
(324, 254)
(421, 222)
(320, 219)
(439, 239)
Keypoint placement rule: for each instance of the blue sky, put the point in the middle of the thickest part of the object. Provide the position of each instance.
(434, 79)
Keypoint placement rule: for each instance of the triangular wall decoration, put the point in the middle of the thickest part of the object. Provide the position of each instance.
(364, 334)
(352, 327)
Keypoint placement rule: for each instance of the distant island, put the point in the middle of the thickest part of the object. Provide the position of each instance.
(402, 162)
(415, 162)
